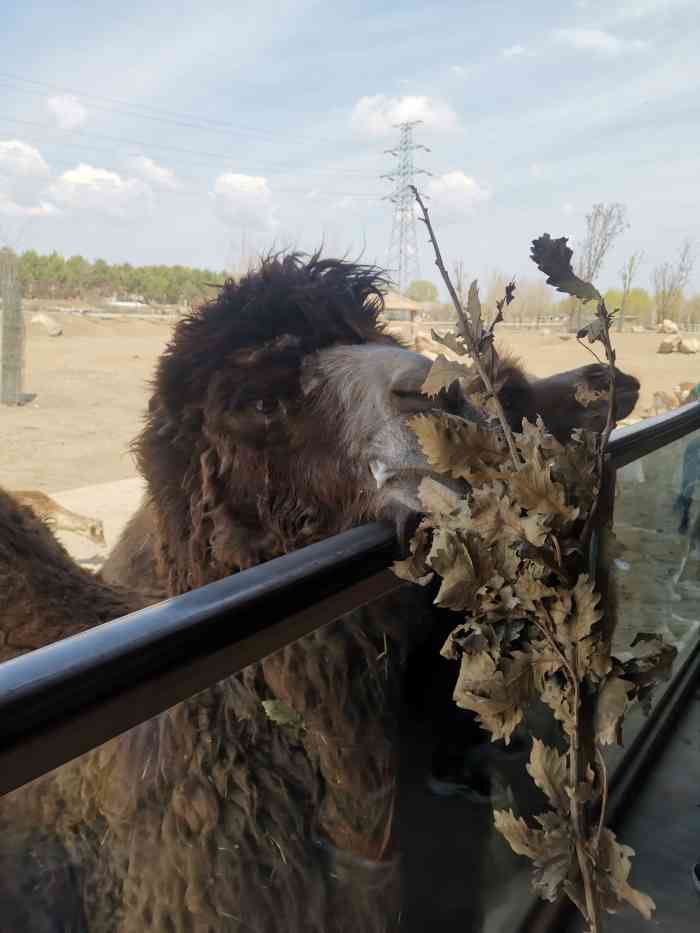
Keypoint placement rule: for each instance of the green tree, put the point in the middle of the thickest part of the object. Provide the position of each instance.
(639, 305)
(422, 290)
(77, 278)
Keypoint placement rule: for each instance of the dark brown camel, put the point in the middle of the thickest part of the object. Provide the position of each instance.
(274, 408)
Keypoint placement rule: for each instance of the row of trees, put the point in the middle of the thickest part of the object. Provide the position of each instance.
(76, 278)
(604, 225)
(53, 276)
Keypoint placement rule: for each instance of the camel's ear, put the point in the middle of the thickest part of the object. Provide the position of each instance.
(554, 398)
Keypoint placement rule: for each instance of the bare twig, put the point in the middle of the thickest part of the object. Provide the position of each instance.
(604, 803)
(604, 317)
(468, 333)
(508, 296)
(589, 350)
(577, 770)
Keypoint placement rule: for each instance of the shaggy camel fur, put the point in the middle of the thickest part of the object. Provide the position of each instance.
(46, 594)
(59, 518)
(279, 417)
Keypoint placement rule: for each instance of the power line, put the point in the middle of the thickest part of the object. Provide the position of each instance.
(218, 156)
(402, 258)
(303, 192)
(160, 114)
(86, 151)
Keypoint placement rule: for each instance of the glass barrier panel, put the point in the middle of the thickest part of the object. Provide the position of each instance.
(655, 552)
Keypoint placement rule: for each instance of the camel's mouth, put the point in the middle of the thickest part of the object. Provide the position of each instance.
(402, 504)
(627, 395)
(400, 484)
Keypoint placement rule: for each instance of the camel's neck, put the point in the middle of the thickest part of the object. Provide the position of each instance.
(46, 595)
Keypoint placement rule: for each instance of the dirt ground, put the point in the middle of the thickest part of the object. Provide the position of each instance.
(90, 388)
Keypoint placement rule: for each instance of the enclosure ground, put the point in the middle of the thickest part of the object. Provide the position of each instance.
(90, 392)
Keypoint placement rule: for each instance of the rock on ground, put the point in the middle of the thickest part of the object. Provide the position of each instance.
(52, 328)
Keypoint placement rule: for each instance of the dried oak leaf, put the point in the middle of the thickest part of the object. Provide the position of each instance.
(573, 464)
(594, 330)
(550, 848)
(441, 502)
(474, 312)
(452, 341)
(612, 704)
(443, 373)
(586, 396)
(651, 663)
(455, 446)
(533, 488)
(549, 770)
(498, 691)
(592, 651)
(495, 517)
(530, 589)
(415, 568)
(534, 437)
(613, 865)
(553, 257)
(450, 558)
(559, 701)
(545, 661)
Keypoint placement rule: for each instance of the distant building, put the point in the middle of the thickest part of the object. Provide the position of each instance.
(399, 308)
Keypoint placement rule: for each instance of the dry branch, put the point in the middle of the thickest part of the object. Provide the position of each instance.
(467, 331)
(512, 554)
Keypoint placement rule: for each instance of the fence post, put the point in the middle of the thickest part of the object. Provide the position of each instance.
(12, 337)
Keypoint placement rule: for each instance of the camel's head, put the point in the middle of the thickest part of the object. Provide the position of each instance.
(281, 416)
(554, 398)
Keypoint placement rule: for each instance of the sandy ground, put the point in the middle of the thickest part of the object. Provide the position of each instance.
(91, 390)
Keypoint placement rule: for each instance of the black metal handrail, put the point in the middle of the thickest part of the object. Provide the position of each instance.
(62, 700)
(638, 440)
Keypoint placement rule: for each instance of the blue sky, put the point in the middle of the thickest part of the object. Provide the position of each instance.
(163, 134)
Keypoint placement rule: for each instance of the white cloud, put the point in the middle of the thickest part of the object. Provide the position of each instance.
(10, 208)
(517, 51)
(568, 208)
(244, 201)
(459, 71)
(67, 111)
(152, 172)
(103, 192)
(597, 40)
(622, 12)
(20, 160)
(346, 203)
(23, 177)
(454, 195)
(377, 115)
(536, 170)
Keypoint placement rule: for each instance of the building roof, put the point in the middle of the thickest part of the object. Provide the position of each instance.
(395, 302)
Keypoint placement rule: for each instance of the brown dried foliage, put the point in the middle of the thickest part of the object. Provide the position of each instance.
(512, 554)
